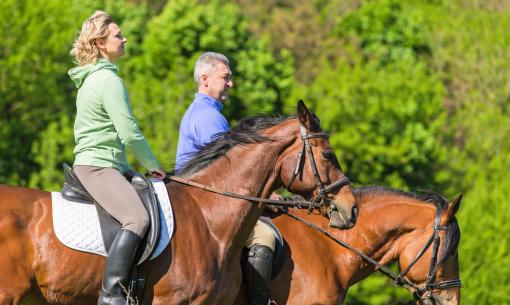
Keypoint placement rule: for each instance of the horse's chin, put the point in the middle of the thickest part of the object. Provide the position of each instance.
(339, 221)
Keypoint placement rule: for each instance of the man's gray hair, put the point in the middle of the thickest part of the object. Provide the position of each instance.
(207, 62)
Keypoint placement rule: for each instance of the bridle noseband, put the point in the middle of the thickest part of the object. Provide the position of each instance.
(327, 206)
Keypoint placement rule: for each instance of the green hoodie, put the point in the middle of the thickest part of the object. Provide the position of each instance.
(104, 124)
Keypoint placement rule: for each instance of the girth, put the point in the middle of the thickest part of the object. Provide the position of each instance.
(73, 190)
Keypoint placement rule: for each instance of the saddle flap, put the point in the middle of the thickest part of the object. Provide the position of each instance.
(146, 191)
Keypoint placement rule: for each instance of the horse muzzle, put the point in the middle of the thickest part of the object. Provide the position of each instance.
(341, 219)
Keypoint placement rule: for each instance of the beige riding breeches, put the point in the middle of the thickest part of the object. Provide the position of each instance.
(261, 234)
(116, 195)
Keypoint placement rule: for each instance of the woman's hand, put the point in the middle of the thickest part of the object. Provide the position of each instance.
(160, 173)
(271, 207)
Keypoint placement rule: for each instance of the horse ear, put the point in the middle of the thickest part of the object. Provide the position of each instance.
(309, 120)
(302, 112)
(453, 207)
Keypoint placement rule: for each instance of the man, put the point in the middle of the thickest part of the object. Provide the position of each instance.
(201, 123)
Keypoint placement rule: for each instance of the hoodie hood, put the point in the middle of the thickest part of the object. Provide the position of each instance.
(79, 74)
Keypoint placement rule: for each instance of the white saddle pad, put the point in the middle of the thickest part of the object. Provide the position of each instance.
(77, 225)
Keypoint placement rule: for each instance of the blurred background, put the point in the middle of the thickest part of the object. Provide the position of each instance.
(415, 94)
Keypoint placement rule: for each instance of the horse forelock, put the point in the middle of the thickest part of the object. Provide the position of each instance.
(248, 131)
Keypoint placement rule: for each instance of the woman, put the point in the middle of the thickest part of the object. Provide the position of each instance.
(103, 128)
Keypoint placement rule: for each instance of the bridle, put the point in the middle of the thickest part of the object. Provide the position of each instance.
(327, 205)
(422, 293)
(419, 293)
(320, 201)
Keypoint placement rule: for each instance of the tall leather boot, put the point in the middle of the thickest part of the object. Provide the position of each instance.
(118, 264)
(258, 274)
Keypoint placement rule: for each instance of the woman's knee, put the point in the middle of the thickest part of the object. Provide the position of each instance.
(264, 235)
(138, 223)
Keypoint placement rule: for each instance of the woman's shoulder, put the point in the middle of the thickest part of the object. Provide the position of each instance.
(106, 74)
(108, 78)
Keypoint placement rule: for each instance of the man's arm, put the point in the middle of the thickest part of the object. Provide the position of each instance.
(207, 126)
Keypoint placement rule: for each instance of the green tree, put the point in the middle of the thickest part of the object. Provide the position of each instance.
(159, 75)
(37, 36)
(49, 106)
(382, 102)
(163, 84)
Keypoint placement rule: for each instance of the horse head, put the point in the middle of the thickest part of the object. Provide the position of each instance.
(308, 167)
(430, 258)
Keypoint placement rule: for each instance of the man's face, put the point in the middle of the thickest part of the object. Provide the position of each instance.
(218, 82)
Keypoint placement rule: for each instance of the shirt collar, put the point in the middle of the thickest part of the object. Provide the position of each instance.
(204, 98)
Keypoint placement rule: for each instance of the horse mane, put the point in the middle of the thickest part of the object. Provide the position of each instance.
(425, 195)
(246, 132)
(451, 240)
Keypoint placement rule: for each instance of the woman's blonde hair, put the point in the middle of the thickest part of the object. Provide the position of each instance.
(95, 27)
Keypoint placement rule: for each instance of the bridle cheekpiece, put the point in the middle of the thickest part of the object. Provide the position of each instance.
(326, 205)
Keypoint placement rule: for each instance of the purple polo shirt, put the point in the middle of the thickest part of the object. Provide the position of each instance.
(201, 124)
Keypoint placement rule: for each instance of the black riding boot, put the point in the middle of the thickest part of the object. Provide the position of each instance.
(258, 274)
(118, 264)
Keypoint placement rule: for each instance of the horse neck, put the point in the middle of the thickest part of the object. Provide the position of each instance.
(247, 170)
(382, 230)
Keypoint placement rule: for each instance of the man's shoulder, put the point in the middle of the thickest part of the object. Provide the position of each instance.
(198, 112)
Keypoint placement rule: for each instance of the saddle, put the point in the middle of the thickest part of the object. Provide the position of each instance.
(73, 190)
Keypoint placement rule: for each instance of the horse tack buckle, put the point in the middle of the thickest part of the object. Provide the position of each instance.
(422, 294)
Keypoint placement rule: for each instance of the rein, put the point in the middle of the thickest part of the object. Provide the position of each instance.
(283, 203)
(320, 201)
(419, 293)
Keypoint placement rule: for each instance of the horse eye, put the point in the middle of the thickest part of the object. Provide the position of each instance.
(327, 154)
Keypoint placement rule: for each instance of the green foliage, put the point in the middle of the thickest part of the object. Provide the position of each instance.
(376, 291)
(382, 102)
(33, 85)
(414, 94)
(54, 148)
(163, 84)
(35, 89)
(485, 244)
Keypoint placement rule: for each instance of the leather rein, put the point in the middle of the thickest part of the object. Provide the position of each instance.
(419, 293)
(320, 201)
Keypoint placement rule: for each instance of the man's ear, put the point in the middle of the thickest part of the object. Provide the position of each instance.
(203, 79)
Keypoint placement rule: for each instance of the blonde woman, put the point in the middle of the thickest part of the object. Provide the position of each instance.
(103, 129)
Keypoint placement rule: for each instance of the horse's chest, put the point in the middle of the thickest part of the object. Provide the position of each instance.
(201, 280)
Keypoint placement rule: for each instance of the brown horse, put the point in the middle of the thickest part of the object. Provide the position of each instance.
(201, 266)
(392, 226)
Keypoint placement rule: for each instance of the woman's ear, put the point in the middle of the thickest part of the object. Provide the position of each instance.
(100, 44)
